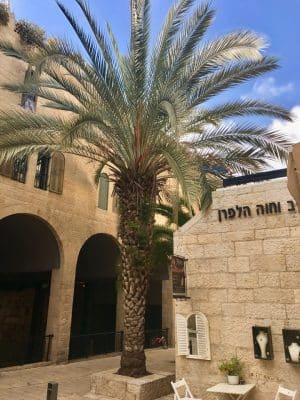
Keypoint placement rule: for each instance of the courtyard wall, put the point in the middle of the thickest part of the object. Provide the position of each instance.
(241, 272)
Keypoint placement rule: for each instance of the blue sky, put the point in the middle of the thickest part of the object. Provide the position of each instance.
(277, 21)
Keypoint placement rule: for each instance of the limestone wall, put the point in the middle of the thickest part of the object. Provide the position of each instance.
(73, 216)
(243, 272)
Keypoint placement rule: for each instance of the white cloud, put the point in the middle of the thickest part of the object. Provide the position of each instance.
(291, 129)
(268, 88)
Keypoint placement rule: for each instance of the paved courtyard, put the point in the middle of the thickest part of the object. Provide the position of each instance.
(73, 378)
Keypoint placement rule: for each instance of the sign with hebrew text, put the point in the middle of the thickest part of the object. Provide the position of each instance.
(239, 212)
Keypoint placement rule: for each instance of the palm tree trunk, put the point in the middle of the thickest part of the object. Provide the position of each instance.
(135, 230)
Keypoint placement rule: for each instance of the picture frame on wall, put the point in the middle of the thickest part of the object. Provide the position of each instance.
(291, 342)
(178, 276)
(262, 342)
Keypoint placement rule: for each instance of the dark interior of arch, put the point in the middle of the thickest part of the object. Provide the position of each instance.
(27, 245)
(95, 296)
(28, 253)
(98, 258)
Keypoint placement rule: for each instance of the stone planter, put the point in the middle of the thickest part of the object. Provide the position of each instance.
(150, 387)
(233, 379)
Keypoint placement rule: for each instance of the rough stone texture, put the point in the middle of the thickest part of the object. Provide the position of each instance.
(150, 387)
(259, 284)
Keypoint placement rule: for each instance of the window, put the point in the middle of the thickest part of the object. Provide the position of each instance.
(15, 169)
(56, 180)
(193, 336)
(103, 192)
(42, 170)
(53, 181)
(19, 169)
(28, 101)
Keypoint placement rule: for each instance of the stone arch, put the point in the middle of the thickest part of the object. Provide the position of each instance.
(95, 297)
(29, 251)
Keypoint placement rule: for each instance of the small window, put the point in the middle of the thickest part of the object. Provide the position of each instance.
(19, 169)
(193, 336)
(42, 171)
(56, 180)
(103, 192)
(28, 101)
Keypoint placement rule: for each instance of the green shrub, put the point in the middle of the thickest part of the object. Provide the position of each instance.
(4, 14)
(233, 366)
(30, 34)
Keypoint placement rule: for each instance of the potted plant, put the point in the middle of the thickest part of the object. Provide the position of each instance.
(4, 14)
(232, 368)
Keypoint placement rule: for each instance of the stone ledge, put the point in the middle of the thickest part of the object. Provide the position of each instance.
(150, 387)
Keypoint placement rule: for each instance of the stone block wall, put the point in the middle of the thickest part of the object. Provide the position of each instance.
(243, 271)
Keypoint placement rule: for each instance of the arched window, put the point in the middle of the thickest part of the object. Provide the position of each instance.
(42, 171)
(15, 169)
(193, 336)
(103, 192)
(53, 180)
(19, 169)
(56, 181)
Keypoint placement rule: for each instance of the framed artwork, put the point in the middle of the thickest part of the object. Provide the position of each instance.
(262, 342)
(291, 342)
(178, 276)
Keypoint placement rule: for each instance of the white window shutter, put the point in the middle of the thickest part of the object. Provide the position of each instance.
(203, 342)
(182, 335)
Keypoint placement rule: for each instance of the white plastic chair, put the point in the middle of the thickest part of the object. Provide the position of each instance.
(285, 392)
(187, 393)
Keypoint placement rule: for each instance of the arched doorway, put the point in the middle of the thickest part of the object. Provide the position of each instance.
(94, 305)
(28, 253)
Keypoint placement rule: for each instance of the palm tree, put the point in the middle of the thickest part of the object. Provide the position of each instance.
(147, 116)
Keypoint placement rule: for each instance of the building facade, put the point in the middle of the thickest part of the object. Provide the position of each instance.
(59, 253)
(243, 288)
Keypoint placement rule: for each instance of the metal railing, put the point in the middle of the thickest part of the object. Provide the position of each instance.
(95, 343)
(27, 351)
(88, 345)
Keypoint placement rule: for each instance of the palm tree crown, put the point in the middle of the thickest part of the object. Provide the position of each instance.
(147, 116)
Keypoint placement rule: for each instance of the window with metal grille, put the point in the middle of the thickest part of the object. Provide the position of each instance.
(103, 192)
(42, 171)
(19, 169)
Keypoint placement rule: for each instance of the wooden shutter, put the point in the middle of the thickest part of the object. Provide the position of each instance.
(56, 181)
(202, 332)
(103, 192)
(182, 335)
(6, 168)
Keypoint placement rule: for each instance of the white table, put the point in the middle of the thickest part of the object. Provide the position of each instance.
(235, 392)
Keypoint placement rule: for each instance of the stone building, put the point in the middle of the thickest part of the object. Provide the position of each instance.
(59, 253)
(243, 273)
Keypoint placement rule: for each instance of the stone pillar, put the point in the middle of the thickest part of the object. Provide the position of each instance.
(61, 304)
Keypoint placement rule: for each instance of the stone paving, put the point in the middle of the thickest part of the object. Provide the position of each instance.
(73, 378)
